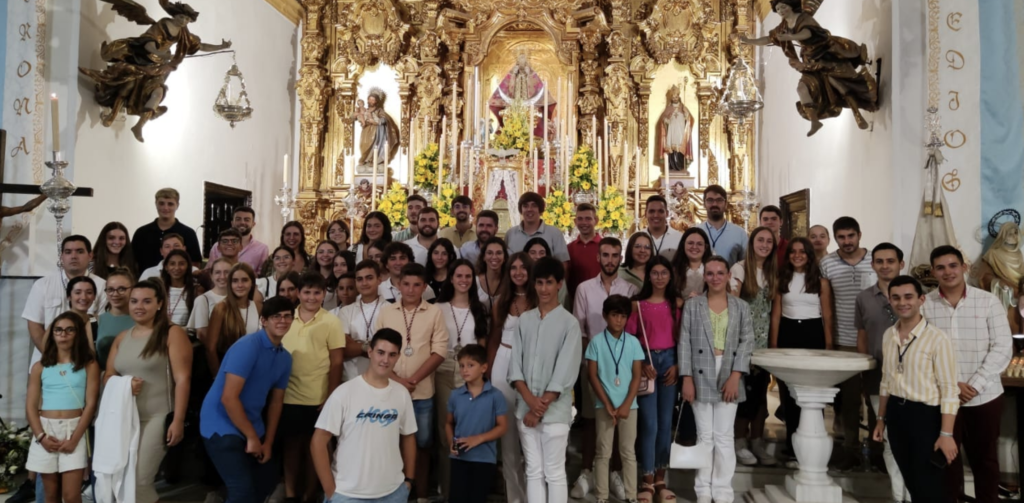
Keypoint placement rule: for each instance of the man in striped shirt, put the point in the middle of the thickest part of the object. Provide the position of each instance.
(976, 322)
(919, 395)
(849, 272)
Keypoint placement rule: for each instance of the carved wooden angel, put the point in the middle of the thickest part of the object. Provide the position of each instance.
(833, 69)
(137, 67)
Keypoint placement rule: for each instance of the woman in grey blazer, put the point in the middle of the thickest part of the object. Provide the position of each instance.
(715, 343)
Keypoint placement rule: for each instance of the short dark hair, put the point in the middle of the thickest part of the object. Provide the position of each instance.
(349, 275)
(474, 352)
(244, 209)
(80, 279)
(548, 267)
(276, 304)
(887, 246)
(414, 269)
(172, 235)
(532, 197)
(771, 208)
(943, 250)
(368, 264)
(716, 189)
(616, 304)
(845, 223)
(463, 200)
(387, 335)
(80, 238)
(312, 280)
(488, 214)
(416, 197)
(609, 241)
(229, 232)
(396, 247)
(586, 207)
(907, 280)
(655, 199)
(428, 210)
(537, 241)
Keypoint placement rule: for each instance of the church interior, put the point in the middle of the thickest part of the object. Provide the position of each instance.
(907, 115)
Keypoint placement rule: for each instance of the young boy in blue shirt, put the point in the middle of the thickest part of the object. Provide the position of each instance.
(613, 366)
(476, 420)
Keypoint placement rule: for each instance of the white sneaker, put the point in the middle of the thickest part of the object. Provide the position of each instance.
(618, 489)
(757, 447)
(583, 485)
(743, 455)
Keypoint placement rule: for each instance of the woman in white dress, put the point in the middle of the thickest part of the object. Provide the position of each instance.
(376, 227)
(199, 319)
(233, 317)
(181, 286)
(515, 297)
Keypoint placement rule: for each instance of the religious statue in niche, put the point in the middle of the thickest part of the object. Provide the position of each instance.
(137, 67)
(834, 75)
(521, 85)
(380, 132)
(1001, 268)
(675, 128)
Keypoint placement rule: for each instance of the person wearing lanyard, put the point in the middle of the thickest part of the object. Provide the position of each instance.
(727, 240)
(919, 394)
(665, 239)
(359, 318)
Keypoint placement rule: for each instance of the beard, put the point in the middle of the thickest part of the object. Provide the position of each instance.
(428, 231)
(243, 230)
(483, 236)
(461, 216)
(608, 269)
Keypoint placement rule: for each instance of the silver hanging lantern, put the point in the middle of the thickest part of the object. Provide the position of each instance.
(741, 98)
(230, 106)
(58, 191)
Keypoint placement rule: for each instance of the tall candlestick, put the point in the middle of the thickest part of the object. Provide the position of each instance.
(487, 132)
(593, 131)
(600, 166)
(624, 172)
(285, 172)
(440, 161)
(547, 166)
(533, 172)
(472, 170)
(476, 99)
(373, 183)
(545, 116)
(55, 121)
(664, 180)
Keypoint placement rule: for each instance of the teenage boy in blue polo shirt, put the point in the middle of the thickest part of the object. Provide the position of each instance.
(253, 375)
(476, 420)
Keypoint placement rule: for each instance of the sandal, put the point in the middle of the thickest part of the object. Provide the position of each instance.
(664, 495)
(645, 494)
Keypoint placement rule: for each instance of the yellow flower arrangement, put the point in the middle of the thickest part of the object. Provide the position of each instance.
(424, 173)
(392, 205)
(611, 212)
(583, 168)
(444, 205)
(558, 211)
(515, 130)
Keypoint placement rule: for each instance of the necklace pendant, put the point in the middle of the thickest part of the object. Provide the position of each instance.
(617, 382)
(458, 349)
(408, 351)
(899, 368)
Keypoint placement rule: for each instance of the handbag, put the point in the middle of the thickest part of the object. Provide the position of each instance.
(646, 386)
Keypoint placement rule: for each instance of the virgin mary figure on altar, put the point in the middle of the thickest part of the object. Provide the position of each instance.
(522, 84)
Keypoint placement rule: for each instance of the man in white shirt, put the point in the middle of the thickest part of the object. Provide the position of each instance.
(427, 223)
(48, 297)
(665, 238)
(976, 321)
(396, 256)
(360, 317)
(373, 419)
(588, 309)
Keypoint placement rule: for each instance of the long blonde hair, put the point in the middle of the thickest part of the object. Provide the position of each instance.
(770, 268)
(234, 326)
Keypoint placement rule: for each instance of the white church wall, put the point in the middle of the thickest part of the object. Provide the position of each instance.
(849, 171)
(190, 145)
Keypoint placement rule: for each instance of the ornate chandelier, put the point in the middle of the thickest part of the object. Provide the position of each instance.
(229, 106)
(741, 97)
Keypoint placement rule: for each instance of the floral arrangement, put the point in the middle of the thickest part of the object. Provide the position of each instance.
(611, 212)
(583, 170)
(14, 444)
(392, 205)
(444, 205)
(558, 211)
(425, 170)
(515, 130)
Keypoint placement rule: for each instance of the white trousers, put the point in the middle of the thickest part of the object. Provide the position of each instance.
(544, 447)
(512, 469)
(715, 427)
(899, 489)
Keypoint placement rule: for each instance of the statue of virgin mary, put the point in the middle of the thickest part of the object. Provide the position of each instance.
(378, 129)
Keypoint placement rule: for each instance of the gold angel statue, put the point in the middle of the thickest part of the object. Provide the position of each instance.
(833, 69)
(137, 67)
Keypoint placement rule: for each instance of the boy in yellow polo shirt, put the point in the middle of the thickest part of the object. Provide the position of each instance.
(316, 342)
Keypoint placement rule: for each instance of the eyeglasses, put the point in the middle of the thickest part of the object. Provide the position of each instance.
(230, 241)
(119, 290)
(282, 317)
(64, 331)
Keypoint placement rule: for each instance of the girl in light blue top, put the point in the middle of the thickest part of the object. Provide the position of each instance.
(63, 390)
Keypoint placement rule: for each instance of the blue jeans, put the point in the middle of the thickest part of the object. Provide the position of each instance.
(424, 410)
(246, 479)
(401, 495)
(654, 437)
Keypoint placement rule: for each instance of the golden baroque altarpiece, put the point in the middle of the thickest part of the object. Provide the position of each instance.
(610, 50)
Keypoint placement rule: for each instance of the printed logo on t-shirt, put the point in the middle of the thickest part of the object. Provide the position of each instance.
(384, 417)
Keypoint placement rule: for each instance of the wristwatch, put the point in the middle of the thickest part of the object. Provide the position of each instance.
(40, 437)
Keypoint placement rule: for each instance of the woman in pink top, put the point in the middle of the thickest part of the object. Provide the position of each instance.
(659, 305)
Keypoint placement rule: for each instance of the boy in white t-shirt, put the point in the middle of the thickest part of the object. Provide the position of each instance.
(360, 318)
(375, 423)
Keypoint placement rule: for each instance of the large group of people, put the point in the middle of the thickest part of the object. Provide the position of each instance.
(400, 366)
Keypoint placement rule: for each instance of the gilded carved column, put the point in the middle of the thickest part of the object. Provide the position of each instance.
(707, 97)
(590, 97)
(313, 91)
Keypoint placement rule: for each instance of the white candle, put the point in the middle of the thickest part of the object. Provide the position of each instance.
(547, 166)
(373, 183)
(600, 166)
(440, 161)
(55, 121)
(593, 131)
(533, 172)
(530, 127)
(624, 172)
(285, 172)
(387, 155)
(545, 116)
(472, 170)
(636, 189)
(664, 181)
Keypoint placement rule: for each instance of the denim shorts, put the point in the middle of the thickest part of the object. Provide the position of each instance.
(400, 495)
(424, 421)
